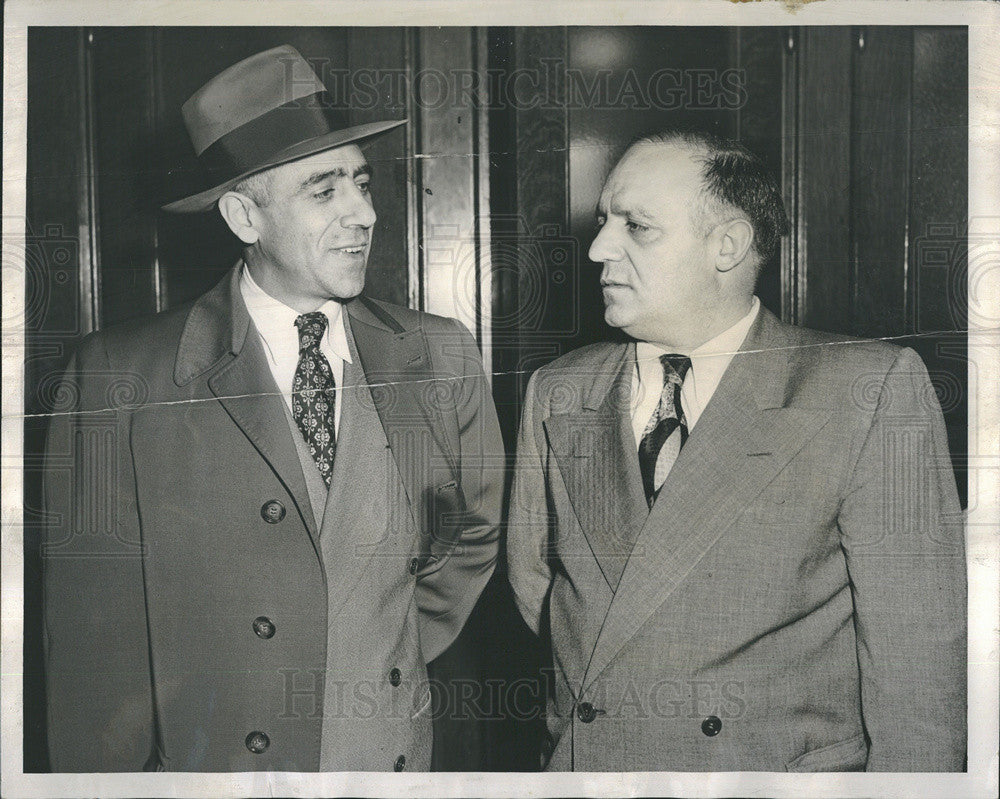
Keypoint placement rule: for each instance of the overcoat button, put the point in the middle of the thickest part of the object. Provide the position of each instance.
(257, 742)
(272, 511)
(711, 726)
(414, 563)
(400, 763)
(586, 712)
(264, 627)
(395, 677)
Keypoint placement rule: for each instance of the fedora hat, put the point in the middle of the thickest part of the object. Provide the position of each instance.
(266, 110)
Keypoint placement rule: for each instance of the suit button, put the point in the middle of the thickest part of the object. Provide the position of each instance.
(272, 511)
(711, 726)
(395, 677)
(414, 563)
(257, 742)
(263, 627)
(400, 763)
(586, 712)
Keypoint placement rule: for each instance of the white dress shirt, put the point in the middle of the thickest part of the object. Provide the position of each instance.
(708, 363)
(275, 323)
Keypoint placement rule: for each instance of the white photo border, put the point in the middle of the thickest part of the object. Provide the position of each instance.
(983, 21)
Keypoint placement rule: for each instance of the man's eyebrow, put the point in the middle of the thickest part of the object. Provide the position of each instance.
(635, 212)
(338, 172)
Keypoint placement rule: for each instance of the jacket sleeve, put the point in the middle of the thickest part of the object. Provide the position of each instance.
(450, 584)
(95, 639)
(902, 533)
(528, 518)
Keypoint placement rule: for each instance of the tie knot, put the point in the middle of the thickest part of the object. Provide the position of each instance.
(675, 367)
(311, 327)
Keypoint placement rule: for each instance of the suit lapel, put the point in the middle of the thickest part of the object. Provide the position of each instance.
(743, 439)
(594, 448)
(217, 338)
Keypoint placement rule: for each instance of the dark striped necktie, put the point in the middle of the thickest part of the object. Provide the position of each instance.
(666, 431)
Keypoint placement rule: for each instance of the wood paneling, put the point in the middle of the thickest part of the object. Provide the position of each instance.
(759, 54)
(56, 263)
(127, 168)
(529, 211)
(378, 75)
(444, 79)
(938, 251)
(880, 178)
(822, 223)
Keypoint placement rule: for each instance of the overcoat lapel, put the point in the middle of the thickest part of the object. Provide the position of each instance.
(360, 517)
(597, 457)
(743, 439)
(217, 339)
(398, 369)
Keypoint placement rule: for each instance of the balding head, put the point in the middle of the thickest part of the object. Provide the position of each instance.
(679, 239)
(735, 182)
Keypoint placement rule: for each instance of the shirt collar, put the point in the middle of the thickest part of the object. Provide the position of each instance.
(729, 340)
(708, 360)
(275, 321)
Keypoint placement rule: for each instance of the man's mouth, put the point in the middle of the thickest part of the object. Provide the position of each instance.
(353, 249)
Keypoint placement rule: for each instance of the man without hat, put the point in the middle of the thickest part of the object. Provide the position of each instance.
(743, 537)
(251, 564)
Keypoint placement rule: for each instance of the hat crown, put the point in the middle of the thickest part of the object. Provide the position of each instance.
(246, 91)
(267, 110)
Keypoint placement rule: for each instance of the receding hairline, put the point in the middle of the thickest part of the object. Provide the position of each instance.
(707, 209)
(698, 158)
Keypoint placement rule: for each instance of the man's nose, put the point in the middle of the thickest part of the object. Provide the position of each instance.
(359, 212)
(604, 247)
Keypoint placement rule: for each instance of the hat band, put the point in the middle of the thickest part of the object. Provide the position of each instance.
(253, 144)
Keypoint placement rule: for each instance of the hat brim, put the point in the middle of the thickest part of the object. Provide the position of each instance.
(206, 200)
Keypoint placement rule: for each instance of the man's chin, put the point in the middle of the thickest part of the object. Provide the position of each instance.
(348, 290)
(615, 317)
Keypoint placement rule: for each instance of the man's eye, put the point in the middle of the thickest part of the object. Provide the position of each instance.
(325, 194)
(635, 227)
(364, 186)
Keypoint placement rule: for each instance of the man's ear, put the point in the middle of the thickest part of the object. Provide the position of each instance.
(735, 238)
(236, 210)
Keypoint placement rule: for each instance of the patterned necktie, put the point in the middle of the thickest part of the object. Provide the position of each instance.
(666, 430)
(314, 393)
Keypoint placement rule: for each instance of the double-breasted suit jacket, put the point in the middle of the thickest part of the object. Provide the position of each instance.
(796, 597)
(204, 611)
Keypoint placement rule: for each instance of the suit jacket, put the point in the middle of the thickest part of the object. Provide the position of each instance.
(796, 597)
(179, 527)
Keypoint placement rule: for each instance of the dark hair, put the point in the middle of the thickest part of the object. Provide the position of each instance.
(734, 180)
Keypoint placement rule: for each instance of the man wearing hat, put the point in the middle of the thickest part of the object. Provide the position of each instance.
(251, 562)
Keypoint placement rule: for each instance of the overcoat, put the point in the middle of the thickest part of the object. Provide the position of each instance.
(197, 616)
(796, 597)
